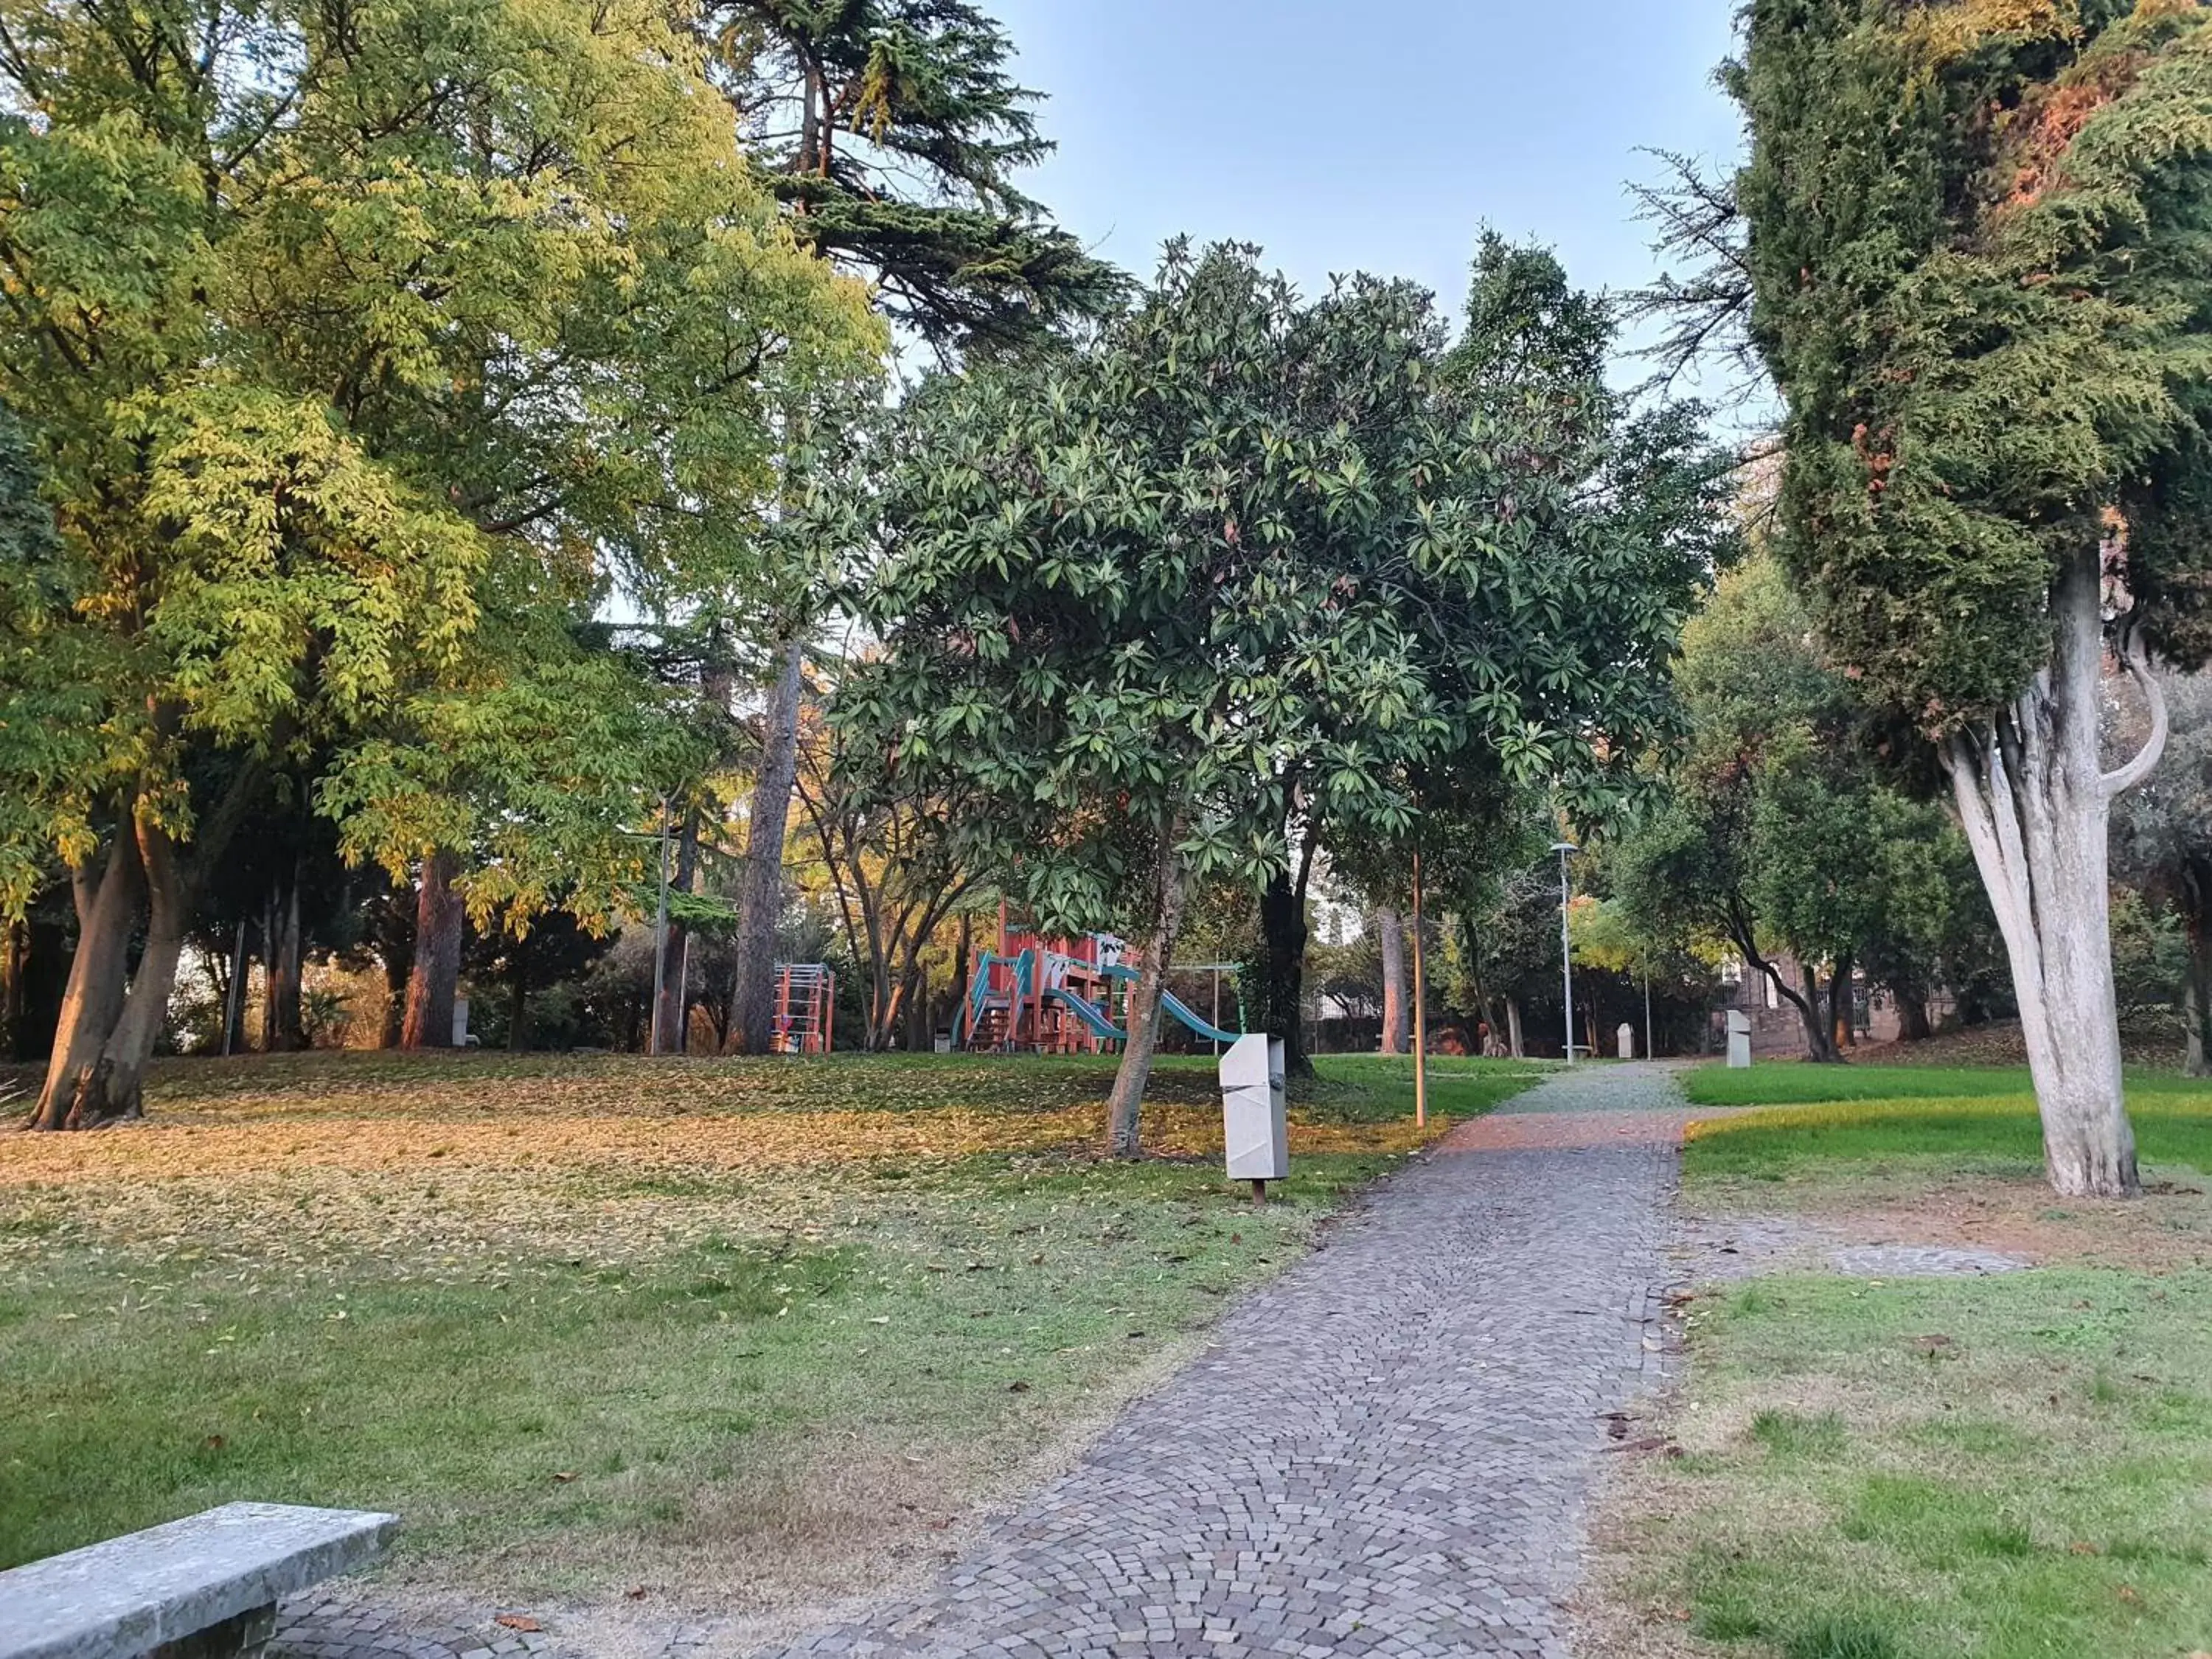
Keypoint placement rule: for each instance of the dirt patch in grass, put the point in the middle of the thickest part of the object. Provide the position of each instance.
(2169, 1230)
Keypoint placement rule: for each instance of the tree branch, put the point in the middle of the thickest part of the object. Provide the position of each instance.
(2137, 660)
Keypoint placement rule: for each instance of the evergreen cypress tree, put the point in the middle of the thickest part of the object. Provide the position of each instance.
(1979, 246)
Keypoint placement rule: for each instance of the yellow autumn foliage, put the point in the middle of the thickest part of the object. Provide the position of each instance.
(1946, 33)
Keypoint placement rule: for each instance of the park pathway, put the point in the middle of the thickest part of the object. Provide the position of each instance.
(1387, 1451)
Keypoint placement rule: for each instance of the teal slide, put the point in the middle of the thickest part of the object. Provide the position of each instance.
(1091, 1014)
(1094, 1017)
(1174, 1005)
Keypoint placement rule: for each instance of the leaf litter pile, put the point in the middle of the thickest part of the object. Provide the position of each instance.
(458, 1166)
(596, 1323)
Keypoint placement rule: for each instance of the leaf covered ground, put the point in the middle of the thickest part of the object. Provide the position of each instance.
(603, 1325)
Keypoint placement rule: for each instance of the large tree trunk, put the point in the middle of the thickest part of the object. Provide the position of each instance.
(1124, 1105)
(15, 967)
(1816, 1016)
(434, 978)
(1912, 1022)
(117, 1088)
(518, 1013)
(1390, 939)
(917, 1010)
(674, 992)
(1513, 1027)
(1283, 935)
(283, 1029)
(2034, 800)
(760, 907)
(107, 916)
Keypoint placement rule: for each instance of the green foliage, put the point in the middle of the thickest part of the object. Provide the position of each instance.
(894, 129)
(363, 349)
(1778, 832)
(1978, 238)
(1239, 550)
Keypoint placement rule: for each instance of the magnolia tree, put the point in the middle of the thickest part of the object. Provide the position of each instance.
(1539, 641)
(1977, 270)
(1240, 560)
(339, 333)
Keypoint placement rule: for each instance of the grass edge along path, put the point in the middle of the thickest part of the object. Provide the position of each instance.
(582, 1374)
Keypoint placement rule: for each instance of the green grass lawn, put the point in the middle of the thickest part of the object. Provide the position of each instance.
(593, 1325)
(1815, 1120)
(2017, 1467)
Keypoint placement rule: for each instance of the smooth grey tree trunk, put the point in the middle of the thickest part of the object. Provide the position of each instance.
(760, 905)
(1124, 1105)
(123, 1059)
(2034, 800)
(675, 994)
(1513, 1027)
(1390, 940)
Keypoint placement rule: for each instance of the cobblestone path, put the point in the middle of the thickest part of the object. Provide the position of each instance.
(1384, 1453)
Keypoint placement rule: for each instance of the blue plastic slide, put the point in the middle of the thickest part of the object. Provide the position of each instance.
(1091, 1014)
(1174, 1006)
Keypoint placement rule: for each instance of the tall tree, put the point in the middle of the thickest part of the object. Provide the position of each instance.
(1767, 839)
(896, 131)
(1085, 571)
(1605, 516)
(893, 131)
(1976, 252)
(343, 325)
(1149, 599)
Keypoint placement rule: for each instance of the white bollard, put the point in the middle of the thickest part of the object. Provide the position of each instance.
(1739, 1033)
(1255, 1118)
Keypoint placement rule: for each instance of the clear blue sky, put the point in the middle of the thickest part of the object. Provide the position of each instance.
(1376, 135)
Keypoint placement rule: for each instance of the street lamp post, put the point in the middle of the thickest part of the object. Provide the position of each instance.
(1420, 1012)
(1566, 944)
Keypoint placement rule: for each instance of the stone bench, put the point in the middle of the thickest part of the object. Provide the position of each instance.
(202, 1587)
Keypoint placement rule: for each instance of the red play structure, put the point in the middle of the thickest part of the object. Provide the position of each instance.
(1056, 996)
(805, 1007)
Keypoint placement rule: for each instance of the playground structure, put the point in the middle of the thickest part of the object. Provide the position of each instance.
(1057, 996)
(805, 1008)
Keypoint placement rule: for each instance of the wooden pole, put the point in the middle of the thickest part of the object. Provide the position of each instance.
(1420, 1010)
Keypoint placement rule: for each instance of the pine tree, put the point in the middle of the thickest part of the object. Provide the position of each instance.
(894, 130)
